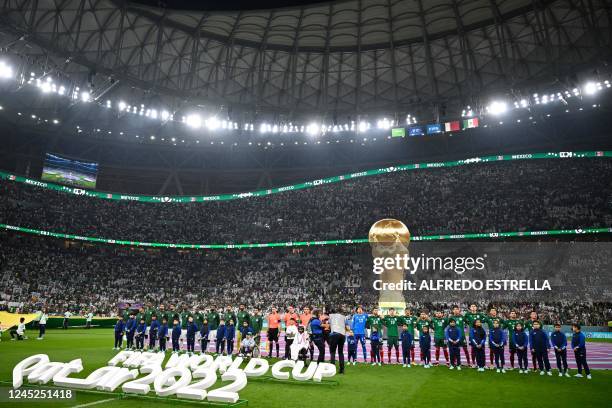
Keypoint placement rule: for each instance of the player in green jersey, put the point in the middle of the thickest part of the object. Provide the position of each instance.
(140, 314)
(174, 314)
(494, 317)
(213, 318)
(409, 320)
(229, 315)
(460, 323)
(257, 325)
(473, 315)
(510, 325)
(242, 316)
(185, 313)
(126, 312)
(161, 313)
(423, 321)
(490, 320)
(391, 322)
(439, 323)
(470, 318)
(375, 320)
(198, 316)
(149, 311)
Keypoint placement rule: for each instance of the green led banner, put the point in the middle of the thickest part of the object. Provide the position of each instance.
(305, 185)
(481, 235)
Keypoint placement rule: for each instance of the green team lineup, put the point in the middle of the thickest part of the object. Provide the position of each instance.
(239, 331)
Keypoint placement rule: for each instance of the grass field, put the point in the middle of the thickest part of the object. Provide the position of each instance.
(599, 340)
(60, 178)
(361, 386)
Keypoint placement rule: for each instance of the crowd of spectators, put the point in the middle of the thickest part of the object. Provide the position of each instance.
(77, 277)
(530, 195)
(47, 273)
(504, 196)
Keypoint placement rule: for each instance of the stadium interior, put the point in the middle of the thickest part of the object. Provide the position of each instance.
(203, 155)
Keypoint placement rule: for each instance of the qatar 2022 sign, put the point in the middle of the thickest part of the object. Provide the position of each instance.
(183, 376)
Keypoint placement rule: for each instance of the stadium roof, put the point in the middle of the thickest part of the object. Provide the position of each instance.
(343, 57)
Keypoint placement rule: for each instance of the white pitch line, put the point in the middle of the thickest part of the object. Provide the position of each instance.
(89, 404)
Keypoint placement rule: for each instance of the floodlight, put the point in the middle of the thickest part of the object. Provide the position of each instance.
(497, 107)
(213, 123)
(590, 88)
(6, 71)
(194, 121)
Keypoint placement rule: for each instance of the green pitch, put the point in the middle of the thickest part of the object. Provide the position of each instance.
(361, 386)
(59, 178)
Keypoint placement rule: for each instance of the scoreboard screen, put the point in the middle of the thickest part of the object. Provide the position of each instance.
(72, 172)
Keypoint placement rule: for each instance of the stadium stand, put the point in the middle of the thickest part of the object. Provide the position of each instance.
(482, 198)
(70, 276)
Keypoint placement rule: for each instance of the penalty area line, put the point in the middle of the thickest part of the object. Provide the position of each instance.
(90, 404)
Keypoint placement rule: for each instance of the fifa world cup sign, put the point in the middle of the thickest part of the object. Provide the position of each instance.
(183, 376)
(389, 238)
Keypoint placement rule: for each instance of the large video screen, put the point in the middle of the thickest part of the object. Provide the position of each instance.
(63, 170)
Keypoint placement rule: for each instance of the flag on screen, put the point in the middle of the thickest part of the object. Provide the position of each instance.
(452, 126)
(470, 123)
(415, 131)
(434, 128)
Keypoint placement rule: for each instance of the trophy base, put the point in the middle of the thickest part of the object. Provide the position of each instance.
(391, 299)
(397, 305)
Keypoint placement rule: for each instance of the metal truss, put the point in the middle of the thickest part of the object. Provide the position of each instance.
(136, 166)
(347, 57)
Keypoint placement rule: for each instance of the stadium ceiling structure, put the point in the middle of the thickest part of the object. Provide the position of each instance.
(325, 58)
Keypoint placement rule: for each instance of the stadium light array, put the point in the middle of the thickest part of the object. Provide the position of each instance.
(590, 88)
(47, 85)
(6, 71)
(85, 96)
(363, 126)
(497, 107)
(384, 123)
(312, 129)
(193, 121)
(213, 123)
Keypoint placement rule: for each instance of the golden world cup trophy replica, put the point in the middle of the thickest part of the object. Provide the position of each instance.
(389, 238)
